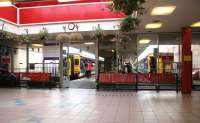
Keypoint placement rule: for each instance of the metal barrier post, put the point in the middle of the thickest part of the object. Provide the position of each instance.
(136, 82)
(177, 83)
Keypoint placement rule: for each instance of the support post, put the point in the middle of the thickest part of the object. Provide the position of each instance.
(43, 65)
(27, 57)
(12, 60)
(186, 86)
(61, 63)
(97, 60)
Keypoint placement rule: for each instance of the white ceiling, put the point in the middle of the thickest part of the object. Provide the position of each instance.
(186, 13)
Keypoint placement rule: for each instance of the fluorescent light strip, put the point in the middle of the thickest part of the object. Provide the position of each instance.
(144, 41)
(37, 45)
(165, 10)
(197, 24)
(153, 25)
(89, 43)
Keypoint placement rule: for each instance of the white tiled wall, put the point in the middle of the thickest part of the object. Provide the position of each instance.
(196, 56)
(35, 56)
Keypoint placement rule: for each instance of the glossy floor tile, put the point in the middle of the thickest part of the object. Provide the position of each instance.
(91, 106)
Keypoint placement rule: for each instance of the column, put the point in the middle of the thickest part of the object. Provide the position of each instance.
(97, 60)
(186, 85)
(43, 65)
(61, 63)
(117, 56)
(12, 59)
(27, 57)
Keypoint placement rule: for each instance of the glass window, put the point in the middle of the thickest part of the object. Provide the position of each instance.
(76, 61)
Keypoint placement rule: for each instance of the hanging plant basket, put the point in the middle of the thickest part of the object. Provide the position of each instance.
(76, 37)
(2, 35)
(63, 37)
(23, 38)
(98, 33)
(129, 24)
(43, 34)
(8, 36)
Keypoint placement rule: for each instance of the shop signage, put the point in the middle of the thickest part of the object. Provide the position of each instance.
(187, 58)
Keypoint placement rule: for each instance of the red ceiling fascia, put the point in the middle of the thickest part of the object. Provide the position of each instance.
(9, 13)
(54, 2)
(61, 13)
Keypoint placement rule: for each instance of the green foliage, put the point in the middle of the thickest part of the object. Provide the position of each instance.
(128, 24)
(23, 38)
(98, 33)
(7, 35)
(43, 34)
(126, 6)
(3, 35)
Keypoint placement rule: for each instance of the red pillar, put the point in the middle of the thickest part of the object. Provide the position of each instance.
(186, 85)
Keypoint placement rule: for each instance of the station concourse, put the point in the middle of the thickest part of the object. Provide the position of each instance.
(99, 61)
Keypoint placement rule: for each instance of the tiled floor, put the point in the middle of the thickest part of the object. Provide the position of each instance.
(86, 83)
(91, 106)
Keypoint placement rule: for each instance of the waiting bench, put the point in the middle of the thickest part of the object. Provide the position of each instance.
(35, 78)
(138, 79)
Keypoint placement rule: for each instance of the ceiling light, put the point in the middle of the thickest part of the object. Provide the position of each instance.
(113, 51)
(144, 41)
(37, 45)
(197, 24)
(67, 0)
(165, 10)
(89, 43)
(153, 25)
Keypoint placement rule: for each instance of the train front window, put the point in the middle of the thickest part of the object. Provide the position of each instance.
(76, 61)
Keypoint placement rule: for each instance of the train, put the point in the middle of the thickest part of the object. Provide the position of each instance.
(75, 66)
(152, 64)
